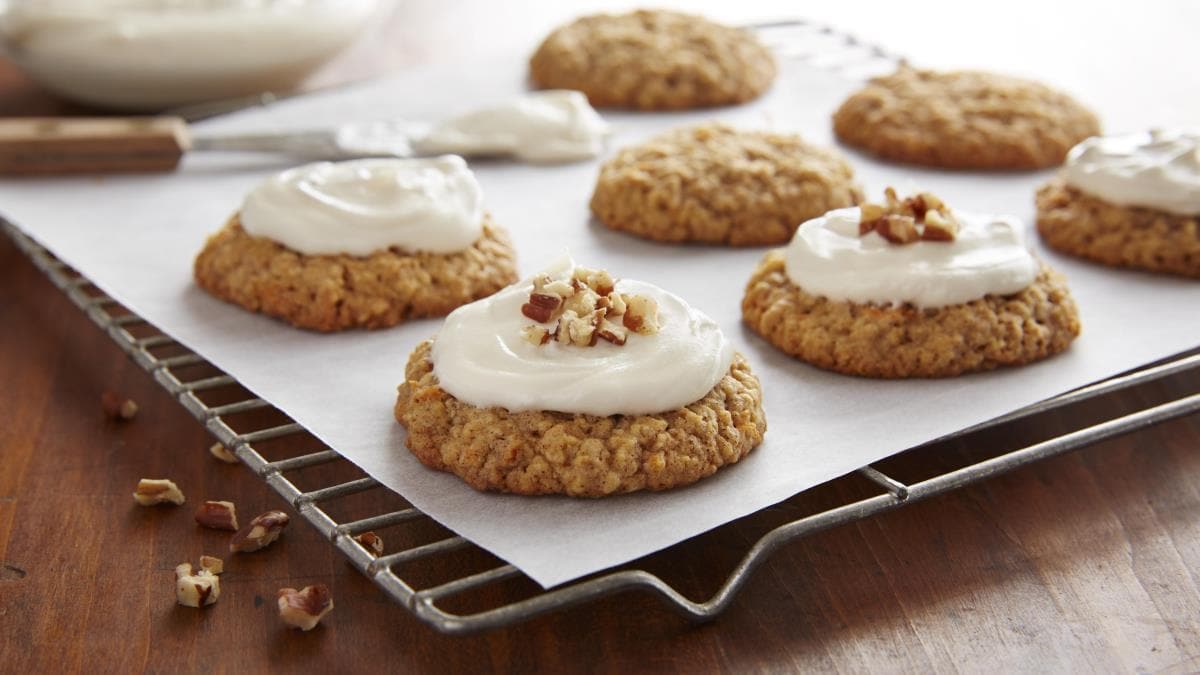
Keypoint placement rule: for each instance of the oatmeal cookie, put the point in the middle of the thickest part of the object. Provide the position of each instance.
(897, 342)
(1077, 223)
(653, 60)
(544, 452)
(335, 292)
(715, 184)
(963, 120)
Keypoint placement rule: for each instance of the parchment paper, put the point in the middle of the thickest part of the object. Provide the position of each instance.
(136, 237)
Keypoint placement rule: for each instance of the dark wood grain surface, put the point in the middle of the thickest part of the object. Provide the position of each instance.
(1083, 562)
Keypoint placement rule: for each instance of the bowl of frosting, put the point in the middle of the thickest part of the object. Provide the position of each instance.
(157, 54)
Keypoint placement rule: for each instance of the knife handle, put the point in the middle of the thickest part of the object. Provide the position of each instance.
(64, 145)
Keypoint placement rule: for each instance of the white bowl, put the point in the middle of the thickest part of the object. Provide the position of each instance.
(155, 54)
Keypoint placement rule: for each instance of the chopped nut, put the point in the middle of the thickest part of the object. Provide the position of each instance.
(599, 281)
(583, 302)
(151, 491)
(611, 332)
(212, 564)
(305, 608)
(218, 515)
(923, 216)
(222, 453)
(641, 314)
(372, 542)
(915, 206)
(116, 407)
(939, 226)
(260, 533)
(543, 284)
(591, 311)
(617, 304)
(196, 590)
(541, 306)
(535, 334)
(898, 229)
(869, 215)
(931, 201)
(577, 330)
(893, 202)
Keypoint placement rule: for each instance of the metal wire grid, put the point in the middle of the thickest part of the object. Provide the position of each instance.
(822, 47)
(424, 602)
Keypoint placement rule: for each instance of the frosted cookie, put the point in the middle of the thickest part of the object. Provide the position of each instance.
(963, 120)
(653, 60)
(571, 383)
(1128, 201)
(718, 185)
(359, 244)
(910, 289)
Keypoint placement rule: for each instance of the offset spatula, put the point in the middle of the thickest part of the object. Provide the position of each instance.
(47, 145)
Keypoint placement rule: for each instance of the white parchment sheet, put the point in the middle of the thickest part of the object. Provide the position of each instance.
(136, 238)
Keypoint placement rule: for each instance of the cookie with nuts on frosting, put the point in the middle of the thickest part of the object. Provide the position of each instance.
(561, 385)
(909, 289)
(719, 185)
(653, 60)
(963, 120)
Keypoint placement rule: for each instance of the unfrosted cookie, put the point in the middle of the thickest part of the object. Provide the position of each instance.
(1077, 223)
(335, 292)
(543, 452)
(910, 289)
(963, 120)
(716, 184)
(653, 60)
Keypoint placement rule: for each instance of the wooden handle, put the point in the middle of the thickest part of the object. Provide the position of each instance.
(53, 145)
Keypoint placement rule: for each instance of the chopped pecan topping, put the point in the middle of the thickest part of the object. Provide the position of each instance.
(151, 491)
(641, 314)
(537, 335)
(218, 515)
(541, 306)
(611, 332)
(305, 608)
(939, 227)
(586, 309)
(898, 229)
(260, 533)
(923, 216)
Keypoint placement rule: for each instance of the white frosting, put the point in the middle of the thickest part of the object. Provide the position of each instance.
(545, 126)
(481, 357)
(828, 257)
(365, 205)
(1159, 170)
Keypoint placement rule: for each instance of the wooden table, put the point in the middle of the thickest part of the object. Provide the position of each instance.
(1084, 562)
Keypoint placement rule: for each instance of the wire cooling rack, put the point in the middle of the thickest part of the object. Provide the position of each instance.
(141, 340)
(393, 572)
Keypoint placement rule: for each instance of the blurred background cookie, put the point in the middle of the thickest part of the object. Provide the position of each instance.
(963, 120)
(719, 185)
(654, 60)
